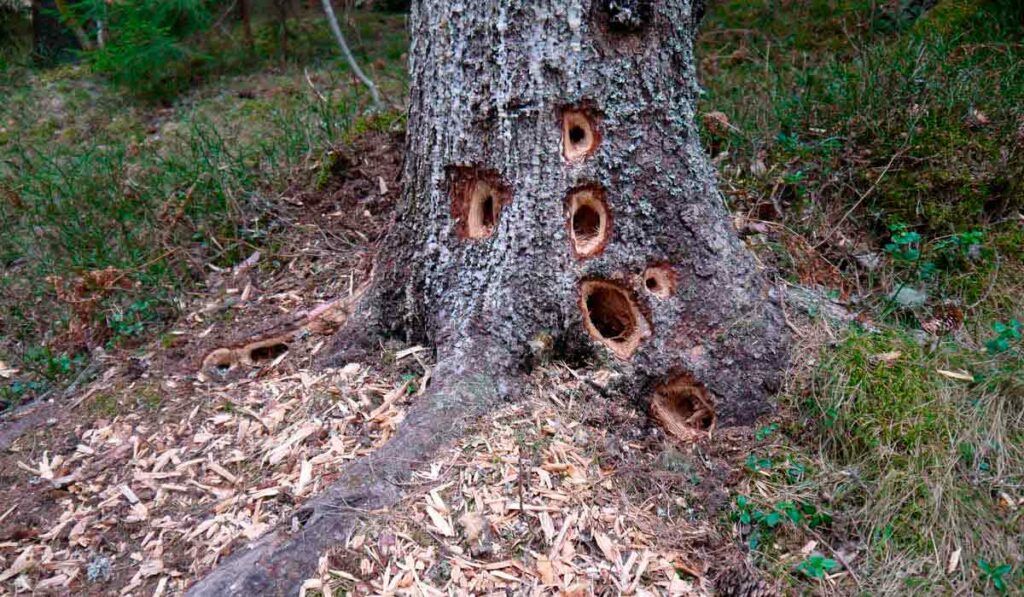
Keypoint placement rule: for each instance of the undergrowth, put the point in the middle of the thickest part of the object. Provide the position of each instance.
(112, 207)
(876, 152)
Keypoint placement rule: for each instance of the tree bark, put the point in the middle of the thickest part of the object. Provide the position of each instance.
(245, 15)
(605, 219)
(556, 202)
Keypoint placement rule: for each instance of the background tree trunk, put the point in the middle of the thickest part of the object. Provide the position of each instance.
(51, 41)
(556, 201)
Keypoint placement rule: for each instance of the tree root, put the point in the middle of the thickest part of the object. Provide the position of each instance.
(269, 344)
(470, 383)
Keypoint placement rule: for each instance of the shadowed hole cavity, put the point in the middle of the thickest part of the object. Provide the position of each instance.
(267, 353)
(611, 313)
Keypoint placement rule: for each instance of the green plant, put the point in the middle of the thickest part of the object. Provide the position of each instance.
(994, 575)
(1007, 335)
(766, 431)
(755, 463)
(148, 49)
(764, 520)
(816, 566)
(904, 244)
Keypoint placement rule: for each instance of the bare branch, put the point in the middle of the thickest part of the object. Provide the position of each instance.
(332, 20)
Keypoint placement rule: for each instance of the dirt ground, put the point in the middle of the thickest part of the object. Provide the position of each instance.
(153, 469)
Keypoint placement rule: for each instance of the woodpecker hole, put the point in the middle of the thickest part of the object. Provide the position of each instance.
(611, 316)
(477, 199)
(579, 135)
(220, 360)
(266, 351)
(684, 408)
(589, 221)
(660, 280)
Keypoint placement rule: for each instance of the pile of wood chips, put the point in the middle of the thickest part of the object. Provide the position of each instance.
(148, 504)
(520, 507)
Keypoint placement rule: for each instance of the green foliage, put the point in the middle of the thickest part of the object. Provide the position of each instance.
(15, 33)
(1007, 336)
(816, 566)
(762, 521)
(147, 50)
(994, 574)
(904, 244)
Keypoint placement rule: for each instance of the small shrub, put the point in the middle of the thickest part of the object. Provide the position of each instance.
(147, 49)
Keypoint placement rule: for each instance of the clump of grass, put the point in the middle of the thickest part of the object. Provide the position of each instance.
(890, 134)
(91, 179)
(918, 123)
(918, 464)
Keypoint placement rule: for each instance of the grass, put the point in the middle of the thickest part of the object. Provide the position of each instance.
(92, 178)
(886, 155)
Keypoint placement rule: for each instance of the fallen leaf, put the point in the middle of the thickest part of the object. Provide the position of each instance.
(546, 571)
(887, 357)
(5, 371)
(607, 547)
(954, 561)
(960, 375)
(439, 522)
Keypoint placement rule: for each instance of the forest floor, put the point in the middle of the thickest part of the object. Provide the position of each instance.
(872, 159)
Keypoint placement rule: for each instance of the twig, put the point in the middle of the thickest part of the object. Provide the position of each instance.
(332, 20)
(866, 194)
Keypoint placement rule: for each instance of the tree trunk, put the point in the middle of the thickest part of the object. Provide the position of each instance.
(51, 41)
(245, 15)
(556, 202)
(557, 195)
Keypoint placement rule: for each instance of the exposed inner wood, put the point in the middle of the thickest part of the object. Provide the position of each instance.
(660, 280)
(477, 199)
(579, 135)
(611, 316)
(589, 221)
(684, 408)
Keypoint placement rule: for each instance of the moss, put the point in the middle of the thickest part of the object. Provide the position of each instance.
(880, 408)
(104, 405)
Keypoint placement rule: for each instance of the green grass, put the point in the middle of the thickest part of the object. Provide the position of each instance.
(94, 178)
(836, 102)
(858, 130)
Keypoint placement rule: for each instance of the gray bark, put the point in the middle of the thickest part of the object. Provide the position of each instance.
(490, 81)
(487, 262)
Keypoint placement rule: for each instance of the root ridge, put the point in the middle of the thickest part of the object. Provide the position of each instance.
(467, 387)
